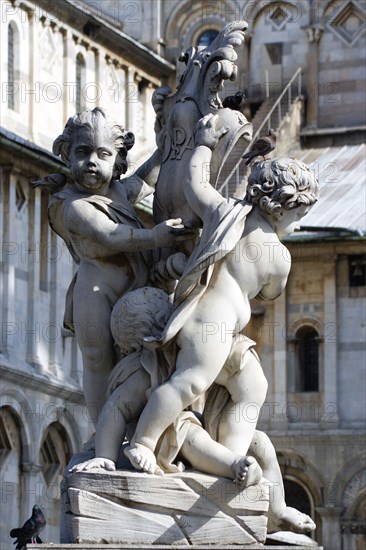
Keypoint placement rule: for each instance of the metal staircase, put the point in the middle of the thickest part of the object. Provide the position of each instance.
(269, 115)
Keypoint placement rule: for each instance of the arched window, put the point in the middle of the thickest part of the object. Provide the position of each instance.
(297, 497)
(10, 472)
(54, 454)
(12, 50)
(207, 37)
(307, 340)
(80, 82)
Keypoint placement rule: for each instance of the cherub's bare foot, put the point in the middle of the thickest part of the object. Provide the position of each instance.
(142, 458)
(247, 471)
(293, 520)
(94, 463)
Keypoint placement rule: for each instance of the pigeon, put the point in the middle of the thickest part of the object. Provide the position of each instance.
(53, 182)
(234, 102)
(261, 147)
(29, 532)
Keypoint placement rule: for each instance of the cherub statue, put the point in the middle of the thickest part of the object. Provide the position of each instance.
(96, 219)
(137, 315)
(219, 280)
(140, 315)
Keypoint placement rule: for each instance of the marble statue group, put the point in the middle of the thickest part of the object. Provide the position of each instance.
(171, 361)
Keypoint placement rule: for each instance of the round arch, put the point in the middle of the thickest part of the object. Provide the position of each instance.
(353, 502)
(255, 10)
(17, 402)
(11, 471)
(350, 482)
(54, 452)
(206, 28)
(190, 18)
(310, 510)
(298, 378)
(10, 429)
(16, 27)
(328, 10)
(13, 61)
(295, 467)
(58, 413)
(300, 470)
(311, 322)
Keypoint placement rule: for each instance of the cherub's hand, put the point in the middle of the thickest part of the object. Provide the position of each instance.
(171, 232)
(206, 132)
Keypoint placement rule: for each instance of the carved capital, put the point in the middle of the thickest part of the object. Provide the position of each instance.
(329, 511)
(31, 468)
(353, 528)
(314, 32)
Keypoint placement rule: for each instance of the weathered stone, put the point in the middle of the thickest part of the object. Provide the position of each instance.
(175, 509)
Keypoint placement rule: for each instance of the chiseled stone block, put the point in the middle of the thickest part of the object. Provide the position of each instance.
(132, 508)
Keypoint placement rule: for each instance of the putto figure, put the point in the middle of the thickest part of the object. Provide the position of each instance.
(217, 284)
(96, 219)
(136, 316)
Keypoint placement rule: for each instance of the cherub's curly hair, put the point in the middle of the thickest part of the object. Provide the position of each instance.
(92, 120)
(283, 183)
(139, 314)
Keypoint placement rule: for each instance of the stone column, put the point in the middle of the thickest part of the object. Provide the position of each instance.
(148, 114)
(9, 249)
(33, 257)
(33, 489)
(130, 99)
(330, 345)
(279, 361)
(54, 330)
(33, 74)
(69, 95)
(331, 529)
(314, 33)
(98, 82)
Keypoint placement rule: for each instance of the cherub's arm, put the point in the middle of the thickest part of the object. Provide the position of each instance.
(142, 182)
(200, 194)
(149, 170)
(84, 221)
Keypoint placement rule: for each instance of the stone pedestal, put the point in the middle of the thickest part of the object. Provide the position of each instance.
(136, 509)
(159, 547)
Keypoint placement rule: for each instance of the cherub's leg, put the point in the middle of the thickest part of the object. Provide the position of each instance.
(248, 388)
(208, 456)
(124, 405)
(92, 319)
(282, 517)
(198, 363)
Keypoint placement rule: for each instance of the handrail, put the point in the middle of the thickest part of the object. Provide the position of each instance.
(267, 119)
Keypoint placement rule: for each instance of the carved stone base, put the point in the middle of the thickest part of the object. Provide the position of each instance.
(89, 546)
(102, 546)
(132, 508)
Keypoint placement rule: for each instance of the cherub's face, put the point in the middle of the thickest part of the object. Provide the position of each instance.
(92, 159)
(288, 220)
